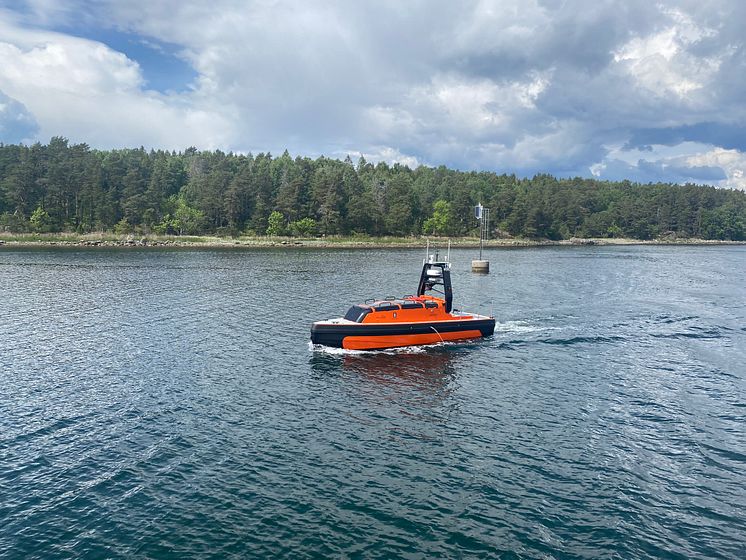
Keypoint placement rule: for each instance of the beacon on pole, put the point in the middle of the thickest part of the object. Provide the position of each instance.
(482, 214)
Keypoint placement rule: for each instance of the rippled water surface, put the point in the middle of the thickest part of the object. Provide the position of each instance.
(166, 404)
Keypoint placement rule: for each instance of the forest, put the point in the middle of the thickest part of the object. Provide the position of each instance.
(64, 187)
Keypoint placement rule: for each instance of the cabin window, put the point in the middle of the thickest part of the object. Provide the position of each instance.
(411, 305)
(431, 304)
(357, 313)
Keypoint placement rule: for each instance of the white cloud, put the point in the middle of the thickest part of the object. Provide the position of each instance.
(86, 91)
(390, 155)
(661, 63)
(54, 63)
(597, 169)
(688, 162)
(464, 108)
(512, 85)
(732, 162)
(49, 12)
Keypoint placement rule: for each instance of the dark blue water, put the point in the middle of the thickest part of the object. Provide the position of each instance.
(166, 404)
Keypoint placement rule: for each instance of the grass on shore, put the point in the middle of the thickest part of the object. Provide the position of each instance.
(110, 238)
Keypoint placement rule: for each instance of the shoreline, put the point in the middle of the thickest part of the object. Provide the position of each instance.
(161, 241)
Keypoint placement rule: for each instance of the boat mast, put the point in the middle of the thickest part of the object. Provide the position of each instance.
(437, 273)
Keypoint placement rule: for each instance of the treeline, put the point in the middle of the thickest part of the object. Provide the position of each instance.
(63, 187)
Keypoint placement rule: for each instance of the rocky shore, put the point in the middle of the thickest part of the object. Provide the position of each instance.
(130, 241)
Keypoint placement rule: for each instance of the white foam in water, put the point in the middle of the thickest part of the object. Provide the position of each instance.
(345, 351)
(520, 327)
(331, 350)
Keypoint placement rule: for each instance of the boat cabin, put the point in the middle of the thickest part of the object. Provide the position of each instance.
(405, 310)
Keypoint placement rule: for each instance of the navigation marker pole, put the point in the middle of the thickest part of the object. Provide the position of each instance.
(483, 215)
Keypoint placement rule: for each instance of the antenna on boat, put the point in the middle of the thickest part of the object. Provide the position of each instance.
(448, 256)
(427, 252)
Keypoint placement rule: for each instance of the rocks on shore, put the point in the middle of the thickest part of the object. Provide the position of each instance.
(120, 243)
(321, 243)
(582, 241)
(131, 243)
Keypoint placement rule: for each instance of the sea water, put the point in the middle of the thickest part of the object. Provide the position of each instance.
(167, 404)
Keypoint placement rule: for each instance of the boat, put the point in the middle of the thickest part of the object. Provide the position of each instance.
(424, 318)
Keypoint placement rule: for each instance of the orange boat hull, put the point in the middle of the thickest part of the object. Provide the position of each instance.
(380, 342)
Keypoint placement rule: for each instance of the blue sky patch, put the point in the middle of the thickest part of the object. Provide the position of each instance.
(16, 123)
(162, 67)
(728, 136)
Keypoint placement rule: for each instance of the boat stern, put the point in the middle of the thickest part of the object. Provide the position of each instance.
(328, 333)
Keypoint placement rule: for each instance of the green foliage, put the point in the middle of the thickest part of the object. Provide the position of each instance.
(188, 220)
(181, 219)
(14, 223)
(123, 227)
(40, 220)
(725, 223)
(63, 186)
(276, 224)
(614, 231)
(442, 220)
(303, 228)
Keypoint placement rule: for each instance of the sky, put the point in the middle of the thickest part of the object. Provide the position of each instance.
(626, 89)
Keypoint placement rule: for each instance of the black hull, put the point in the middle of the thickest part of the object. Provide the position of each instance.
(333, 334)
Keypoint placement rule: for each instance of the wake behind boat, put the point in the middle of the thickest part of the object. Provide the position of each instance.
(406, 321)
